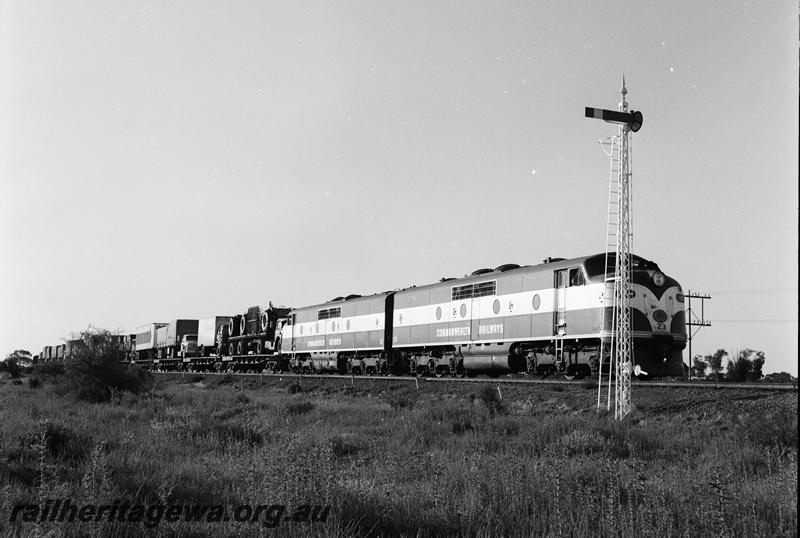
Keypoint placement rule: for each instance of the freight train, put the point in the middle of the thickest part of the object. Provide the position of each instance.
(543, 319)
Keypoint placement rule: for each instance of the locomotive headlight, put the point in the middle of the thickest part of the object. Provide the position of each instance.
(658, 279)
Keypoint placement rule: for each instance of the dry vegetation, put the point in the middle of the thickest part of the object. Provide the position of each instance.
(394, 460)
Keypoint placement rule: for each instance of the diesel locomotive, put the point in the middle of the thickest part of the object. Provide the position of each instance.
(542, 319)
(550, 318)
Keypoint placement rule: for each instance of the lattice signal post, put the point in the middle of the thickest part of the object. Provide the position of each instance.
(619, 219)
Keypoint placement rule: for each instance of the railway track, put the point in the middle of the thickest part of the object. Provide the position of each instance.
(508, 380)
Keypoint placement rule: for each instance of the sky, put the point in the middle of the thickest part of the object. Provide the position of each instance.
(163, 160)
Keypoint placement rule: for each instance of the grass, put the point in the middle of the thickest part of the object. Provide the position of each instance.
(391, 459)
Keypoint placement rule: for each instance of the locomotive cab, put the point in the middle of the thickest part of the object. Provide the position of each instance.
(658, 320)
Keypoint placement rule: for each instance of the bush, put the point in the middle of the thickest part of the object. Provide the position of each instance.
(60, 441)
(294, 388)
(48, 370)
(230, 432)
(461, 421)
(342, 448)
(491, 399)
(403, 398)
(11, 366)
(96, 369)
(777, 429)
(300, 408)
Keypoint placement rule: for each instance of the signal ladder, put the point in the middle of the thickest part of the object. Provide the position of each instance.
(611, 281)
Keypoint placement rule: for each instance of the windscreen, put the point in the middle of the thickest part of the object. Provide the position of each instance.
(596, 265)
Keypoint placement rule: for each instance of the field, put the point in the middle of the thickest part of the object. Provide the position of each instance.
(391, 459)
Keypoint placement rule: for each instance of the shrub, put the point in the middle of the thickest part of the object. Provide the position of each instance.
(48, 370)
(580, 442)
(96, 369)
(777, 429)
(491, 399)
(341, 448)
(231, 432)
(59, 441)
(403, 399)
(11, 366)
(507, 426)
(300, 408)
(461, 421)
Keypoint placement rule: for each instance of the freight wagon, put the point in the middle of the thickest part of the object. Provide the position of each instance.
(163, 345)
(209, 344)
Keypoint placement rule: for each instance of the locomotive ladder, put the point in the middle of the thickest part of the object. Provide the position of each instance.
(560, 365)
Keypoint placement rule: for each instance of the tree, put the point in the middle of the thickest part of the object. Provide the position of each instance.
(21, 355)
(758, 365)
(699, 367)
(96, 367)
(715, 363)
(746, 366)
(16, 361)
(739, 367)
(11, 365)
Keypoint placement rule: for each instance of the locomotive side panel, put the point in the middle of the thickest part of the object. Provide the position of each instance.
(353, 325)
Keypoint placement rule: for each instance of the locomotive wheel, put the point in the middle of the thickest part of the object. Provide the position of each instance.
(574, 372)
(438, 372)
(240, 348)
(231, 349)
(259, 347)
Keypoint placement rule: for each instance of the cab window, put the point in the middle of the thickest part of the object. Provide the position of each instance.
(576, 277)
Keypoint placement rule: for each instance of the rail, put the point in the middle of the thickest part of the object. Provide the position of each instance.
(508, 380)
